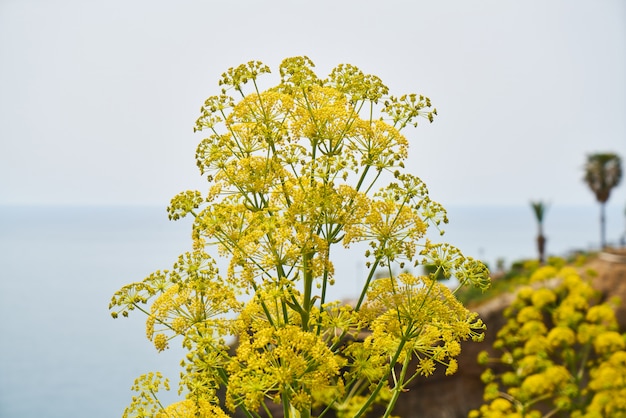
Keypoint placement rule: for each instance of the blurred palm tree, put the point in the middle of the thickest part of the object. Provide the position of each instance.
(603, 171)
(539, 209)
(623, 239)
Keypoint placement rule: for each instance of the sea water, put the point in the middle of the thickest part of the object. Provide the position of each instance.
(62, 355)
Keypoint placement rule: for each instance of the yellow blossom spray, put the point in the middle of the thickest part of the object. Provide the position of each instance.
(294, 171)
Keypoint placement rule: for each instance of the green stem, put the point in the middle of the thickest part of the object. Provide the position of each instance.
(327, 409)
(305, 414)
(362, 179)
(224, 378)
(382, 381)
(324, 281)
(398, 388)
(268, 413)
(154, 396)
(308, 287)
(551, 413)
(264, 306)
(322, 301)
(286, 405)
(583, 363)
(367, 284)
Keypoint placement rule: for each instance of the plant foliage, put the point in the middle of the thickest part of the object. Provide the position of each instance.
(294, 171)
(559, 354)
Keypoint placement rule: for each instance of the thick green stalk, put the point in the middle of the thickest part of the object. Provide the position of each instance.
(362, 178)
(398, 388)
(382, 381)
(286, 405)
(370, 276)
(305, 414)
(308, 288)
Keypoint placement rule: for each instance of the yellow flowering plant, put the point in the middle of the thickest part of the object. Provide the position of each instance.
(294, 171)
(560, 353)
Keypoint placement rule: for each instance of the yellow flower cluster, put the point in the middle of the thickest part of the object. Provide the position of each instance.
(293, 171)
(608, 381)
(145, 403)
(189, 408)
(417, 316)
(280, 363)
(561, 353)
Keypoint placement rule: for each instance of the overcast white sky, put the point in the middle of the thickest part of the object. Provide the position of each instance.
(98, 98)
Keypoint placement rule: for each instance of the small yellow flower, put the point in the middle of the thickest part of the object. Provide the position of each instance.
(160, 342)
(561, 336)
(501, 405)
(453, 366)
(542, 297)
(536, 345)
(426, 367)
(602, 315)
(192, 409)
(301, 401)
(609, 342)
(529, 313)
(543, 274)
(536, 385)
(525, 293)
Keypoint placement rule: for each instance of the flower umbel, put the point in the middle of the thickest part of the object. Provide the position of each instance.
(293, 171)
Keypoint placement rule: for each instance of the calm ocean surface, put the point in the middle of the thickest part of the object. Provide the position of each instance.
(62, 355)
